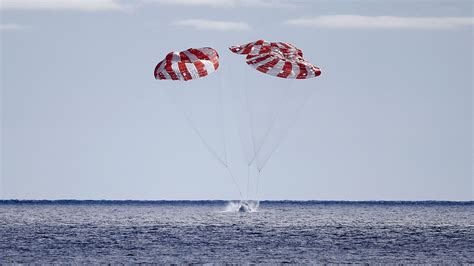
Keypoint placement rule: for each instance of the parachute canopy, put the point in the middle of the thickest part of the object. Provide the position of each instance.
(279, 59)
(189, 64)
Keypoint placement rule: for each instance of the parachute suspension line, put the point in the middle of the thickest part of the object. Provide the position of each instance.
(285, 131)
(220, 118)
(223, 135)
(235, 182)
(273, 117)
(209, 148)
(248, 180)
(196, 131)
(258, 182)
(252, 131)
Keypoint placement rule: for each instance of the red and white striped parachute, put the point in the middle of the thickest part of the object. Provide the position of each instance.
(279, 59)
(190, 64)
(264, 112)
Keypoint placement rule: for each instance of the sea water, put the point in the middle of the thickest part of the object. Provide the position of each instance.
(214, 232)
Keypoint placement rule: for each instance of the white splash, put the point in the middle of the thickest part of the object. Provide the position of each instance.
(242, 206)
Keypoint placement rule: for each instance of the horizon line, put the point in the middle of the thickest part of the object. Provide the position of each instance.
(78, 201)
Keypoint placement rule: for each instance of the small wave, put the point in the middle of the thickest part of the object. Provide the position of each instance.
(242, 206)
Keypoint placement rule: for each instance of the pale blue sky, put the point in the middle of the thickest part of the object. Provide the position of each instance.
(389, 119)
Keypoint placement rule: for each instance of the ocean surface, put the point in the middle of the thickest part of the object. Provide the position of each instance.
(214, 232)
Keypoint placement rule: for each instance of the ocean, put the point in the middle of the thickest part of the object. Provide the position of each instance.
(306, 232)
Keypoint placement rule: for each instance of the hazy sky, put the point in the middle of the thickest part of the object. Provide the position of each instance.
(82, 117)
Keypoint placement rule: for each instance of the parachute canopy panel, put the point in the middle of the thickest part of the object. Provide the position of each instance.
(278, 59)
(192, 63)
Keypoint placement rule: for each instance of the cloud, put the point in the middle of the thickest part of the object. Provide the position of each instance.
(205, 24)
(82, 5)
(13, 27)
(98, 5)
(211, 3)
(224, 3)
(382, 22)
